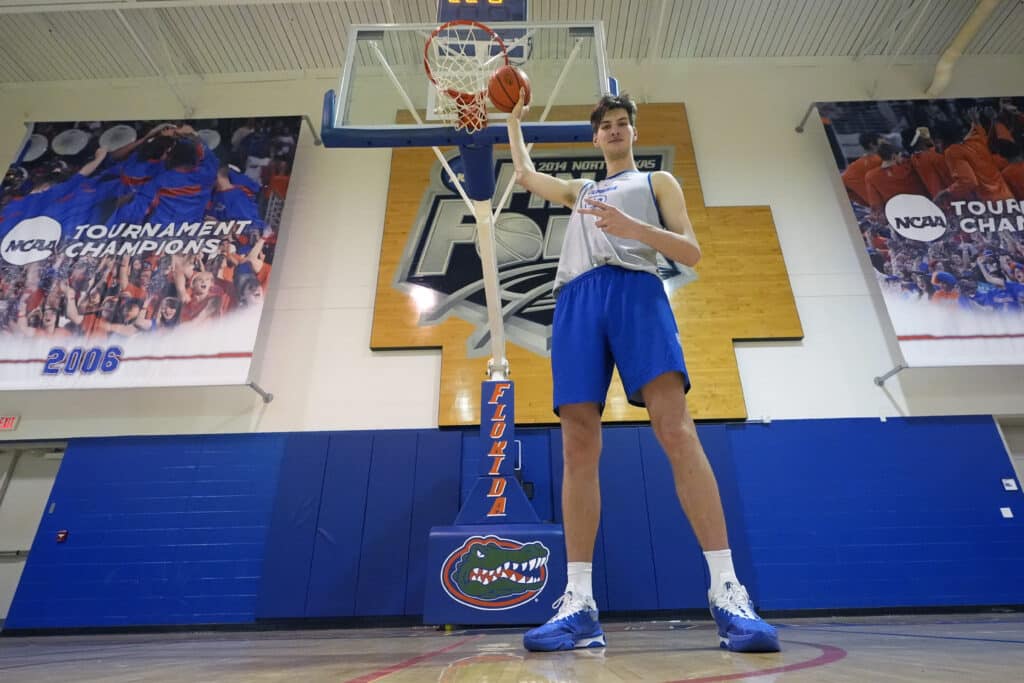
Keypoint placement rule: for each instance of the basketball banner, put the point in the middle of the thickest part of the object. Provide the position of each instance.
(138, 253)
(937, 189)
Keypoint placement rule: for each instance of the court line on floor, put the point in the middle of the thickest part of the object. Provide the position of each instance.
(829, 655)
(907, 635)
(367, 678)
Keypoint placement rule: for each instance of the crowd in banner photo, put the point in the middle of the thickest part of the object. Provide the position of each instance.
(937, 187)
(111, 230)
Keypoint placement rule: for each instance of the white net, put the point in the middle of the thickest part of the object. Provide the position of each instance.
(460, 60)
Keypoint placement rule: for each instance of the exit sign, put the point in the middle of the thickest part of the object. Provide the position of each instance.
(8, 423)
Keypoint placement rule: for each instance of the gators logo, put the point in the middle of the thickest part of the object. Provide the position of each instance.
(495, 573)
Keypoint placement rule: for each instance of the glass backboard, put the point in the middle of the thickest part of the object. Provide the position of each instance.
(383, 78)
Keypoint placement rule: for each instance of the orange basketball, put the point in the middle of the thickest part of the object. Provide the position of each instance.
(503, 88)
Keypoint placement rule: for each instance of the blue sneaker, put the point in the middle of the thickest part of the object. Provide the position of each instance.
(574, 625)
(739, 627)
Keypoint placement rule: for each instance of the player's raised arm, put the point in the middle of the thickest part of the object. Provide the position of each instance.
(549, 187)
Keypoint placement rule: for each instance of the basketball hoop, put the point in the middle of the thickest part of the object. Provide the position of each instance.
(459, 57)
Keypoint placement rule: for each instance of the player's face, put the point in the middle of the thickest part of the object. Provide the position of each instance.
(615, 134)
(50, 317)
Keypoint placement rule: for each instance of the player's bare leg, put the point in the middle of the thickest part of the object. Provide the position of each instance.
(575, 624)
(739, 627)
(694, 480)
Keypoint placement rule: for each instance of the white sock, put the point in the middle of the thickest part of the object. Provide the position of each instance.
(720, 568)
(580, 583)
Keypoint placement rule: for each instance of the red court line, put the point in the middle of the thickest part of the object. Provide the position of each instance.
(829, 654)
(366, 678)
(933, 337)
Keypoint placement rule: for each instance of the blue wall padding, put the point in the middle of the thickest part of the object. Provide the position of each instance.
(384, 554)
(161, 530)
(292, 533)
(626, 528)
(435, 503)
(823, 514)
(859, 513)
(339, 533)
(679, 565)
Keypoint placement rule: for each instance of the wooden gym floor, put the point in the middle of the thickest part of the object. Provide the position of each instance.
(972, 647)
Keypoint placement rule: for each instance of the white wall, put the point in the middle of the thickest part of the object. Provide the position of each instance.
(22, 505)
(316, 359)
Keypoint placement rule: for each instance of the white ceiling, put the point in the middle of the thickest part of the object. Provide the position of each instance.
(57, 40)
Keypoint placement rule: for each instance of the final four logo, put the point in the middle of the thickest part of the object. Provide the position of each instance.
(493, 573)
(440, 267)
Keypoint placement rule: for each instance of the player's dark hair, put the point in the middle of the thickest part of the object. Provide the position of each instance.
(183, 154)
(868, 139)
(609, 102)
(154, 148)
(888, 151)
(1006, 148)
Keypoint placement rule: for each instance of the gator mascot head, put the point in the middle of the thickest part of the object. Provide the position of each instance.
(495, 573)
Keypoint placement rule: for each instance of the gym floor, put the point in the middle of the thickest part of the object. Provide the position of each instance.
(971, 647)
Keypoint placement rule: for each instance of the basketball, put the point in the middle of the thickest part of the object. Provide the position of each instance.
(504, 86)
(517, 239)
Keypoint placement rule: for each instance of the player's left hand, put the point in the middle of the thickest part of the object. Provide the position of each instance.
(612, 220)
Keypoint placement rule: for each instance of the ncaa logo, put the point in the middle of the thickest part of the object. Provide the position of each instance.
(440, 266)
(916, 217)
(31, 240)
(493, 573)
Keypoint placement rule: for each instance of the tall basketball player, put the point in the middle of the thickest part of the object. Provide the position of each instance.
(611, 308)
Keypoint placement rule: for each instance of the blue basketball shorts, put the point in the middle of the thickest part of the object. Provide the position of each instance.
(609, 317)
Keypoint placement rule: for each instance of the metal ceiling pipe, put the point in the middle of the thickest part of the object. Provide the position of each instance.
(944, 68)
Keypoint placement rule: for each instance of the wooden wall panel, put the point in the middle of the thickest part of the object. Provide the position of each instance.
(742, 293)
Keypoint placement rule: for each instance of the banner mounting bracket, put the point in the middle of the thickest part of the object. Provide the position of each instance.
(265, 395)
(879, 381)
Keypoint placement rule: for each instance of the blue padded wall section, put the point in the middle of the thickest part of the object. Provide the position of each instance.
(625, 525)
(382, 493)
(161, 530)
(292, 533)
(384, 556)
(859, 513)
(822, 514)
(339, 530)
(435, 502)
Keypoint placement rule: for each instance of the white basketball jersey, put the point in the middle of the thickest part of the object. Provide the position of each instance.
(587, 247)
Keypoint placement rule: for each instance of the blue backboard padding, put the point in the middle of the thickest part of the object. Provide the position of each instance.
(435, 503)
(339, 533)
(293, 525)
(161, 530)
